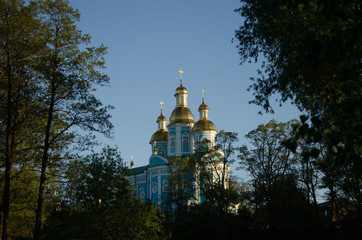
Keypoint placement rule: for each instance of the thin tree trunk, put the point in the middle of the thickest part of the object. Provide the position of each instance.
(8, 152)
(44, 164)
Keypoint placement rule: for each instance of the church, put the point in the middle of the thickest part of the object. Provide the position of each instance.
(179, 138)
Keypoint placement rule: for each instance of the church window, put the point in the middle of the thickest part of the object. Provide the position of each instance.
(165, 186)
(185, 145)
(173, 146)
(161, 151)
(154, 188)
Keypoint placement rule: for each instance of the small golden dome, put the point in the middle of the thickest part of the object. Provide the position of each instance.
(181, 90)
(181, 115)
(161, 118)
(203, 106)
(159, 136)
(203, 125)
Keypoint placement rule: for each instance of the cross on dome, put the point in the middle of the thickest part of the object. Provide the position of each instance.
(203, 94)
(161, 103)
(181, 72)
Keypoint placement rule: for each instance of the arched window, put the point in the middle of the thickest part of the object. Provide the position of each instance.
(185, 143)
(173, 144)
(161, 151)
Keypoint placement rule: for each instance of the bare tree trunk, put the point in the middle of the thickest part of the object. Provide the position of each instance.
(45, 158)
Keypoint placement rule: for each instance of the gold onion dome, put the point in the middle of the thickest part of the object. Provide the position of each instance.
(181, 115)
(203, 125)
(159, 136)
(161, 118)
(203, 106)
(181, 90)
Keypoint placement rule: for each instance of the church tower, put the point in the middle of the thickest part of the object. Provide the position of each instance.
(204, 129)
(181, 122)
(181, 137)
(160, 137)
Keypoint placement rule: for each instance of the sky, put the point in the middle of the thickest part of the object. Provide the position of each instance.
(148, 42)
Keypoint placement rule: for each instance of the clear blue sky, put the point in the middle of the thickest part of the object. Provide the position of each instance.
(148, 41)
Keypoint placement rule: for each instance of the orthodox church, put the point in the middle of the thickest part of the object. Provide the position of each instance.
(179, 138)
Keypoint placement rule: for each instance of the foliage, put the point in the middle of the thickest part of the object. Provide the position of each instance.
(339, 175)
(312, 52)
(277, 199)
(213, 166)
(47, 84)
(181, 188)
(313, 56)
(98, 203)
(19, 44)
(68, 77)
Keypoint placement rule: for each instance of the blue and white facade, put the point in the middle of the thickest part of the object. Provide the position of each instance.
(179, 138)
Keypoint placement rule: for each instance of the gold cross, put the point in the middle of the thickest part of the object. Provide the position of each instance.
(181, 72)
(161, 102)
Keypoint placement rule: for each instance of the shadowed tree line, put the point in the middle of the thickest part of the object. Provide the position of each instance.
(277, 200)
(48, 117)
(311, 55)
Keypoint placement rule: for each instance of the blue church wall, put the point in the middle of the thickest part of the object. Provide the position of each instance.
(162, 148)
(187, 128)
(202, 135)
(142, 192)
(164, 185)
(172, 131)
(154, 190)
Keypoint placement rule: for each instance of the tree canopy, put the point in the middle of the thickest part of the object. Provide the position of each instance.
(312, 54)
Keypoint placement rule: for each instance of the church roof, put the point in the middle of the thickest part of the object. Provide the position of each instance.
(161, 118)
(137, 170)
(203, 106)
(181, 115)
(181, 90)
(203, 125)
(159, 136)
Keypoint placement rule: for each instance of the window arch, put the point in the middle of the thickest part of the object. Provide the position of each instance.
(161, 151)
(173, 145)
(185, 142)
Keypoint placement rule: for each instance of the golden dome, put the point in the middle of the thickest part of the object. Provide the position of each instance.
(181, 115)
(203, 125)
(203, 106)
(181, 90)
(159, 136)
(161, 118)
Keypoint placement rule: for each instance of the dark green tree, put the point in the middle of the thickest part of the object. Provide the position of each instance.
(98, 203)
(336, 175)
(181, 189)
(277, 199)
(20, 43)
(212, 166)
(69, 76)
(312, 53)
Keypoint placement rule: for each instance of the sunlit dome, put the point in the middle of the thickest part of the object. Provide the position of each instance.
(159, 136)
(181, 115)
(203, 125)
